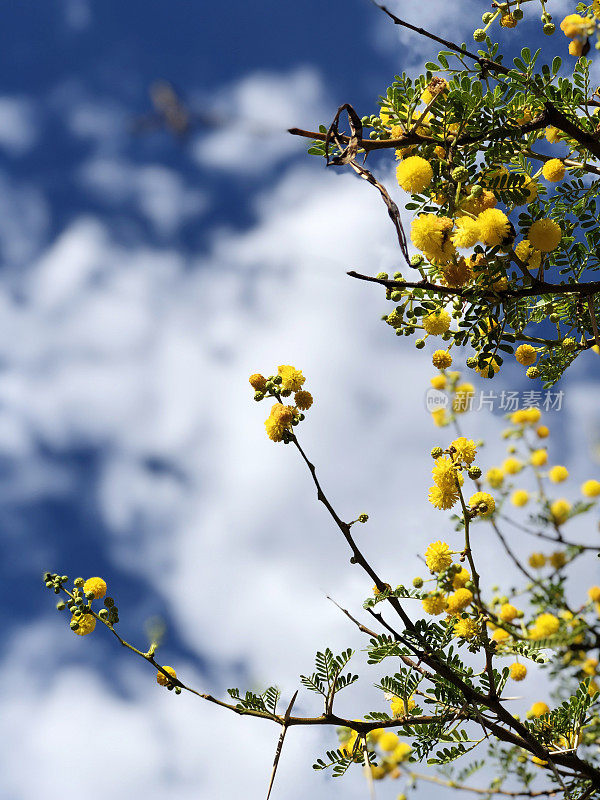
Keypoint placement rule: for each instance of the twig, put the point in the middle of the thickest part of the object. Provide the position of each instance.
(286, 720)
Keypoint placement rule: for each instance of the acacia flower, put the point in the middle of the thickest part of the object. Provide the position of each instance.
(590, 488)
(95, 585)
(594, 594)
(438, 381)
(529, 256)
(545, 235)
(388, 741)
(539, 457)
(512, 465)
(441, 359)
(545, 625)
(414, 174)
(459, 600)
(303, 400)
(445, 474)
(437, 322)
(465, 449)
(526, 355)
(398, 708)
(466, 629)
(162, 680)
(480, 499)
(554, 170)
(560, 510)
(520, 497)
(558, 474)
(543, 431)
(538, 709)
(442, 498)
(494, 227)
(518, 671)
(508, 612)
(495, 477)
(461, 578)
(438, 556)
(85, 624)
(434, 604)
(467, 232)
(258, 382)
(537, 560)
(291, 378)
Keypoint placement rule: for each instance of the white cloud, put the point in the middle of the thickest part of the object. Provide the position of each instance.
(258, 110)
(17, 125)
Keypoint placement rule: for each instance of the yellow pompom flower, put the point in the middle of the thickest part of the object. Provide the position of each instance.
(546, 625)
(596, 8)
(480, 499)
(437, 322)
(460, 578)
(258, 382)
(590, 488)
(594, 594)
(456, 273)
(465, 449)
(414, 174)
(490, 363)
(444, 474)
(576, 25)
(554, 170)
(538, 709)
(274, 429)
(459, 600)
(95, 585)
(441, 359)
(439, 417)
(401, 752)
(529, 256)
(558, 474)
(552, 134)
(162, 680)
(560, 510)
(438, 381)
(537, 560)
(388, 741)
(434, 604)
(500, 635)
(558, 559)
(545, 235)
(462, 396)
(512, 465)
(291, 378)
(494, 227)
(398, 707)
(494, 477)
(303, 400)
(539, 458)
(526, 355)
(86, 623)
(467, 232)
(466, 629)
(438, 556)
(518, 671)
(532, 415)
(520, 498)
(508, 612)
(442, 498)
(431, 235)
(543, 432)
(576, 48)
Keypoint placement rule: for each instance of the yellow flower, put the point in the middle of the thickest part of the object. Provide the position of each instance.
(480, 499)
(274, 429)
(490, 366)
(466, 629)
(589, 666)
(594, 594)
(520, 497)
(388, 741)
(518, 671)
(512, 465)
(462, 397)
(500, 635)
(441, 359)
(442, 498)
(258, 382)
(558, 559)
(539, 457)
(462, 577)
(467, 232)
(560, 510)
(459, 600)
(439, 417)
(456, 273)
(162, 679)
(508, 612)
(530, 257)
(465, 449)
(545, 235)
(438, 556)
(437, 322)
(576, 25)
(430, 234)
(554, 170)
(398, 707)
(558, 474)
(445, 474)
(538, 709)
(303, 400)
(494, 477)
(414, 174)
(542, 432)
(553, 134)
(87, 623)
(401, 752)
(291, 378)
(596, 7)
(95, 585)
(590, 488)
(526, 355)
(494, 227)
(537, 560)
(438, 381)
(434, 604)
(545, 625)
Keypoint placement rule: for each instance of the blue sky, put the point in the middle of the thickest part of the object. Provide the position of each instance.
(143, 279)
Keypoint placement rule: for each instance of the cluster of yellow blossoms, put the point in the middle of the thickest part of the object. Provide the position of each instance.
(579, 29)
(282, 418)
(448, 478)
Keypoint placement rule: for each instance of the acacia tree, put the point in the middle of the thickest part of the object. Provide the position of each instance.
(507, 251)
